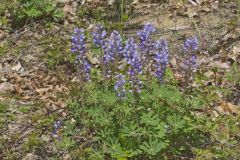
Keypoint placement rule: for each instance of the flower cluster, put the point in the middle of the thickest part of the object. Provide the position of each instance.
(78, 43)
(191, 44)
(161, 58)
(56, 127)
(143, 56)
(112, 52)
(114, 47)
(146, 43)
(119, 86)
(79, 49)
(190, 61)
(133, 59)
(99, 35)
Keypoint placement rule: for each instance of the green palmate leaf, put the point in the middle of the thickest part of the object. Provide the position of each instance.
(108, 98)
(169, 93)
(49, 8)
(66, 143)
(58, 14)
(153, 147)
(116, 151)
(104, 119)
(105, 136)
(176, 122)
(150, 119)
(132, 130)
(160, 130)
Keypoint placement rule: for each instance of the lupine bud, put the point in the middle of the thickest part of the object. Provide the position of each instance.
(56, 127)
(99, 35)
(119, 86)
(79, 49)
(161, 58)
(113, 49)
(132, 58)
(191, 44)
(190, 62)
(78, 43)
(146, 43)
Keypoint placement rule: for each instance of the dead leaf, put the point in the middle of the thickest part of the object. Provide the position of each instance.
(191, 12)
(205, 9)
(17, 67)
(6, 87)
(193, 2)
(227, 108)
(235, 53)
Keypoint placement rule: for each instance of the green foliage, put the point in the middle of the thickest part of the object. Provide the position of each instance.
(234, 74)
(27, 11)
(57, 50)
(3, 114)
(155, 123)
(223, 140)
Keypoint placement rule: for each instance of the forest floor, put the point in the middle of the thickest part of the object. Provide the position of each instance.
(35, 84)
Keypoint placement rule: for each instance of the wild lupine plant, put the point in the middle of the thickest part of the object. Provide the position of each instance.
(56, 127)
(146, 43)
(128, 62)
(189, 64)
(79, 50)
(133, 59)
(99, 35)
(119, 86)
(112, 53)
(161, 58)
(131, 118)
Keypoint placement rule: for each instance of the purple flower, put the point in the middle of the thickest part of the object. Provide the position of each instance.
(78, 43)
(146, 43)
(135, 67)
(86, 69)
(144, 34)
(119, 86)
(191, 44)
(113, 50)
(190, 59)
(190, 63)
(161, 58)
(79, 49)
(56, 127)
(99, 35)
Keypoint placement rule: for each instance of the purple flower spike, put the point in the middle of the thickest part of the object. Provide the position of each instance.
(144, 36)
(113, 48)
(78, 42)
(56, 127)
(86, 69)
(190, 63)
(119, 86)
(135, 67)
(161, 58)
(99, 35)
(191, 44)
(79, 49)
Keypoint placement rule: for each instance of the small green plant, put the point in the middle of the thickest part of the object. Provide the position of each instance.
(150, 126)
(27, 11)
(234, 74)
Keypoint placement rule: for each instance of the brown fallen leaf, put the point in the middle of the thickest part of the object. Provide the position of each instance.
(227, 108)
(17, 67)
(6, 87)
